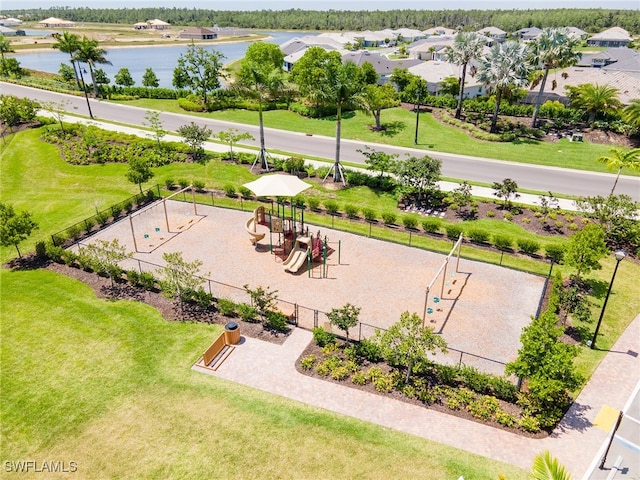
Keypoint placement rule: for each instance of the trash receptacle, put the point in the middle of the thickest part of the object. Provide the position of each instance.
(231, 333)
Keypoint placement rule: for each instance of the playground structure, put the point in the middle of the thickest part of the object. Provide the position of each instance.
(442, 275)
(159, 222)
(293, 242)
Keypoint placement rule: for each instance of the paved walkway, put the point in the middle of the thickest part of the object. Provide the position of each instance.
(575, 442)
(482, 192)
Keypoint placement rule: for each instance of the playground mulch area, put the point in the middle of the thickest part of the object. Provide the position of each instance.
(481, 311)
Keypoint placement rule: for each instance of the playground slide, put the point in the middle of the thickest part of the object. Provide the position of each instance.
(251, 229)
(296, 259)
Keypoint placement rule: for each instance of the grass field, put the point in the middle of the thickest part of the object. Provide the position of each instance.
(116, 394)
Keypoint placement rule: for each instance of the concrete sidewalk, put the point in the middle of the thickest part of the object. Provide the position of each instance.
(482, 192)
(576, 442)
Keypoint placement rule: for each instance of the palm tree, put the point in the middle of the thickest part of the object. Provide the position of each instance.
(261, 82)
(5, 46)
(631, 112)
(545, 467)
(466, 47)
(554, 48)
(619, 159)
(504, 68)
(596, 100)
(341, 87)
(69, 43)
(88, 52)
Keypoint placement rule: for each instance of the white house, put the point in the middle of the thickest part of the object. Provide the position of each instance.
(435, 72)
(612, 37)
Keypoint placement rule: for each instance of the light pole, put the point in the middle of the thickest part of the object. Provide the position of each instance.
(415, 138)
(619, 256)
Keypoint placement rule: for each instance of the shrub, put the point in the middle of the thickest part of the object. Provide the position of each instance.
(558, 224)
(54, 252)
(528, 246)
(503, 418)
(502, 388)
(277, 321)
(183, 182)
(359, 378)
(41, 249)
(529, 424)
(453, 231)
(322, 172)
(502, 242)
(88, 225)
(508, 216)
(102, 218)
(308, 362)
(168, 183)
(322, 337)
(474, 379)
(383, 383)
(431, 225)
(410, 222)
(484, 407)
(313, 203)
(368, 350)
(369, 214)
(229, 190)
(351, 210)
(331, 206)
(389, 218)
(227, 307)
(74, 232)
(247, 312)
(447, 374)
(340, 373)
(526, 220)
(199, 185)
(478, 236)
(491, 213)
(147, 280)
(244, 192)
(328, 366)
(573, 227)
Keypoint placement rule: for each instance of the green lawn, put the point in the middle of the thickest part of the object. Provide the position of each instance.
(433, 135)
(107, 384)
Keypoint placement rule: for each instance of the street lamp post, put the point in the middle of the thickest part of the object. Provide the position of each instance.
(619, 256)
(415, 138)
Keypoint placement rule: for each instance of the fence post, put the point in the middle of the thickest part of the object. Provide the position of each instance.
(212, 199)
(139, 265)
(409, 237)
(315, 318)
(339, 250)
(158, 186)
(209, 281)
(460, 362)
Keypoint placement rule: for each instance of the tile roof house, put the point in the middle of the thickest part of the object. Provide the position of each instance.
(158, 24)
(528, 34)
(10, 22)
(7, 32)
(493, 33)
(577, 33)
(431, 48)
(435, 72)
(439, 31)
(382, 65)
(612, 37)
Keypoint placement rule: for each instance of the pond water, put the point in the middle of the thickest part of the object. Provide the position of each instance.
(162, 60)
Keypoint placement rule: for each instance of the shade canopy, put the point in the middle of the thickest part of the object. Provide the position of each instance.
(277, 185)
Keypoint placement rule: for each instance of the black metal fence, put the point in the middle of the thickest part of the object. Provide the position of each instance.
(103, 218)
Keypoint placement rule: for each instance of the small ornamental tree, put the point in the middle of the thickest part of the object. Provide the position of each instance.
(150, 79)
(378, 161)
(155, 124)
(107, 256)
(585, 249)
(506, 190)
(408, 342)
(231, 136)
(418, 174)
(139, 171)
(462, 194)
(14, 227)
(179, 277)
(124, 78)
(344, 318)
(194, 135)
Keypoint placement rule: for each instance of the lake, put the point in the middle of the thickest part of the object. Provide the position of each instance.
(162, 60)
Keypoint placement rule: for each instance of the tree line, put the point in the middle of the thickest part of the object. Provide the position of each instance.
(590, 20)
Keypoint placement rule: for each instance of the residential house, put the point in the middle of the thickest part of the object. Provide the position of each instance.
(198, 33)
(157, 24)
(612, 37)
(577, 33)
(431, 48)
(408, 34)
(493, 34)
(7, 32)
(435, 72)
(10, 22)
(382, 65)
(528, 34)
(440, 31)
(53, 22)
(627, 84)
(295, 48)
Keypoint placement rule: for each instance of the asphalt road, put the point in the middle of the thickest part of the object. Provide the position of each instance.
(463, 167)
